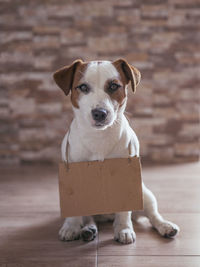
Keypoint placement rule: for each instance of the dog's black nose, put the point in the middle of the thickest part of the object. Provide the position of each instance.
(99, 114)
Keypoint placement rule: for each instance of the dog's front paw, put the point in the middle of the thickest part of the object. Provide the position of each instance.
(125, 236)
(168, 229)
(89, 232)
(69, 232)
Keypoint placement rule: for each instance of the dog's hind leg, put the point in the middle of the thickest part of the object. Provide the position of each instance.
(164, 227)
(89, 230)
(71, 229)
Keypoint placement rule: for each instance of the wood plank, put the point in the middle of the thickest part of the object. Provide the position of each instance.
(149, 242)
(68, 262)
(148, 261)
(34, 237)
(175, 187)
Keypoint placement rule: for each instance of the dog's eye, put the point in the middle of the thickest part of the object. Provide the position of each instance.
(113, 87)
(84, 88)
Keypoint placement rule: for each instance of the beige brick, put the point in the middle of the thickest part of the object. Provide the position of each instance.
(161, 99)
(45, 29)
(129, 17)
(187, 149)
(188, 58)
(48, 41)
(22, 107)
(132, 57)
(16, 57)
(154, 11)
(39, 134)
(43, 155)
(160, 42)
(190, 129)
(166, 112)
(50, 109)
(162, 154)
(71, 36)
(44, 62)
(97, 8)
(159, 139)
(111, 43)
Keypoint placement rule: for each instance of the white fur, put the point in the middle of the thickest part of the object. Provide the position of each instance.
(87, 143)
(96, 75)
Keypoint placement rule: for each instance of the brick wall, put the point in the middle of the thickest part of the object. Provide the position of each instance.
(161, 38)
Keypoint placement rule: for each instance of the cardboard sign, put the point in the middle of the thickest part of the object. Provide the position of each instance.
(95, 187)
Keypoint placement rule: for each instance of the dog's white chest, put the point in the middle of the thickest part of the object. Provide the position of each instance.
(112, 143)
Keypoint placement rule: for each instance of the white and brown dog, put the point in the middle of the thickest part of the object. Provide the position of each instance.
(100, 130)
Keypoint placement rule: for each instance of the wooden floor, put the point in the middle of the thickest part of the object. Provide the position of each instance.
(29, 223)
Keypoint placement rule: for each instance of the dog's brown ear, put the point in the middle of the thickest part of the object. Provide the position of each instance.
(64, 77)
(131, 73)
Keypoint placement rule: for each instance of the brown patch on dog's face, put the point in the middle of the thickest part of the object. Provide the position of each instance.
(115, 88)
(75, 92)
(127, 73)
(123, 78)
(68, 77)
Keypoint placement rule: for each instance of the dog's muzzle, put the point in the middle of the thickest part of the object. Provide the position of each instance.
(99, 114)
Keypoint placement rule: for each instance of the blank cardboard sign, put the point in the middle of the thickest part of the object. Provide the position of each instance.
(95, 187)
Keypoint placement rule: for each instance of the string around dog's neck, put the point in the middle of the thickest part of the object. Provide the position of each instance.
(67, 151)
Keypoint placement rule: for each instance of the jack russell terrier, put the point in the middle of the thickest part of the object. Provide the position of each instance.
(100, 130)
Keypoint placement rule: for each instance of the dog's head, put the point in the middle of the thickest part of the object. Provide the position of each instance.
(98, 89)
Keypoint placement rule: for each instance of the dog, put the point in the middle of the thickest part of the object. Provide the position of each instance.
(100, 130)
